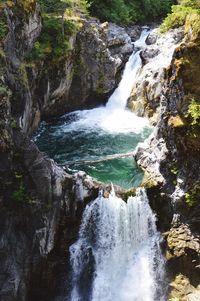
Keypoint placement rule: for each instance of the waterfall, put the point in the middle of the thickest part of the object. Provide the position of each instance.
(118, 99)
(117, 256)
(114, 117)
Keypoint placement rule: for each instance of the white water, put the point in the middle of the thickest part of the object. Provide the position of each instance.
(114, 117)
(121, 243)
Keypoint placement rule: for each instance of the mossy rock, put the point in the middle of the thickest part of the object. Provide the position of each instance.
(187, 66)
(176, 121)
(128, 193)
(148, 182)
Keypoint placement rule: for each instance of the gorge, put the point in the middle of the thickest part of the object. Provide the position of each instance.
(124, 91)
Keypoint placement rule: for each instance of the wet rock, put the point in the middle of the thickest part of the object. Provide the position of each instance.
(149, 158)
(177, 169)
(117, 35)
(152, 38)
(148, 54)
(134, 32)
(147, 92)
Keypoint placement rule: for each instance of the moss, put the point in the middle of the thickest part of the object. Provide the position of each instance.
(53, 42)
(19, 195)
(187, 66)
(192, 197)
(148, 182)
(192, 24)
(174, 170)
(23, 74)
(176, 121)
(27, 5)
(6, 3)
(3, 28)
(194, 112)
(14, 124)
(128, 193)
(100, 89)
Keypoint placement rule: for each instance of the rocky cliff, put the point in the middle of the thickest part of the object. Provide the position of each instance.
(171, 158)
(40, 204)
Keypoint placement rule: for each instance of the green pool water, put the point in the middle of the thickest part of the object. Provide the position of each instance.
(73, 139)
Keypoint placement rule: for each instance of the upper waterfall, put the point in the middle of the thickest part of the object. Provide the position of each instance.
(118, 99)
(114, 117)
(117, 255)
(89, 135)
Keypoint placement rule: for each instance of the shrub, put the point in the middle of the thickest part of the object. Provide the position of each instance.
(187, 12)
(193, 196)
(194, 112)
(129, 11)
(177, 18)
(52, 43)
(19, 195)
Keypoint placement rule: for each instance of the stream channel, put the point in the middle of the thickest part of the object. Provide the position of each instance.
(117, 256)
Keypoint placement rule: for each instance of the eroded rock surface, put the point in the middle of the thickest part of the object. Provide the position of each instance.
(171, 156)
(147, 92)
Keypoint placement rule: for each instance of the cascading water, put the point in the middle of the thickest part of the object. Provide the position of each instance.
(118, 99)
(91, 135)
(117, 256)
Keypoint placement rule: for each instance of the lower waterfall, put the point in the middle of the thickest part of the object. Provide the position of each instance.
(117, 256)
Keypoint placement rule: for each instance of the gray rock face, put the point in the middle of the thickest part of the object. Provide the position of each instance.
(37, 229)
(101, 52)
(147, 92)
(134, 32)
(23, 32)
(94, 65)
(171, 161)
(152, 38)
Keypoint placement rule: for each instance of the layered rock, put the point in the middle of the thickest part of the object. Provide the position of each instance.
(171, 157)
(147, 92)
(41, 205)
(100, 55)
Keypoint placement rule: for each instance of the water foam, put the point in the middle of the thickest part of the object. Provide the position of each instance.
(115, 117)
(121, 242)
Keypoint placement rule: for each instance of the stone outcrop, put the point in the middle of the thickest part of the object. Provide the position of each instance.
(101, 53)
(41, 205)
(41, 209)
(84, 77)
(171, 156)
(147, 92)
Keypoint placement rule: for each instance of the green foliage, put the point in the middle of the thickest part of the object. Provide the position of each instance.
(129, 11)
(190, 3)
(177, 18)
(58, 25)
(53, 41)
(19, 195)
(193, 196)
(194, 112)
(180, 13)
(52, 6)
(3, 90)
(3, 29)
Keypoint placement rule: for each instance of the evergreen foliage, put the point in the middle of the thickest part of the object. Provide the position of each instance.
(129, 11)
(52, 43)
(58, 26)
(181, 12)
